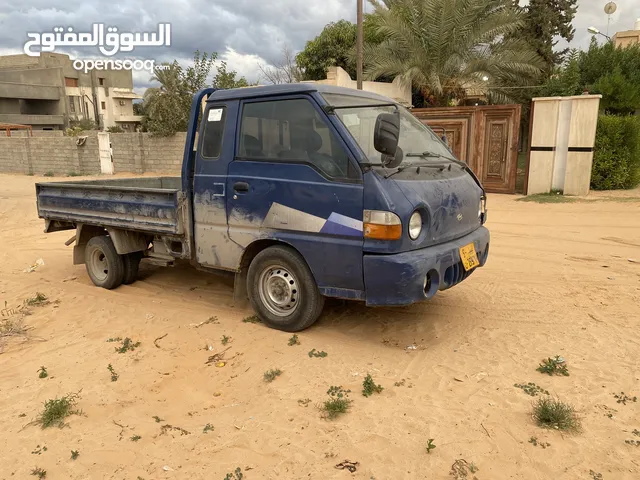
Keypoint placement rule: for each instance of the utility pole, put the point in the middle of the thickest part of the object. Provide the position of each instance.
(359, 47)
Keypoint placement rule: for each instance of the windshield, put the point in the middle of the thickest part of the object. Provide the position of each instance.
(415, 137)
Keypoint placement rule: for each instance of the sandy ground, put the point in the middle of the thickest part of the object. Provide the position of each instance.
(558, 281)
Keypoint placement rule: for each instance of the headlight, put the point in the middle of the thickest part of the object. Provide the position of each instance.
(381, 225)
(415, 225)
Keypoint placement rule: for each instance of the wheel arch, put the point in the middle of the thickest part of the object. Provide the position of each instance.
(128, 241)
(125, 241)
(250, 252)
(84, 233)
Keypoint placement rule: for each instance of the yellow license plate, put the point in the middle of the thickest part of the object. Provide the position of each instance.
(469, 257)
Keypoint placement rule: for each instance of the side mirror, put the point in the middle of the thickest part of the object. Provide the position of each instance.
(386, 133)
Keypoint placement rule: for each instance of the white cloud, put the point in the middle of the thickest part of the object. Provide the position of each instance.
(245, 64)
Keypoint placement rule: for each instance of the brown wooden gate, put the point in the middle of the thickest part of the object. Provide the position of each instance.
(485, 137)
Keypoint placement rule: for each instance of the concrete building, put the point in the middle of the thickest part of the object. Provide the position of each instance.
(627, 37)
(396, 90)
(47, 93)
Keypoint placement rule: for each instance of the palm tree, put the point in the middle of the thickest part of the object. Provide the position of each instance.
(445, 48)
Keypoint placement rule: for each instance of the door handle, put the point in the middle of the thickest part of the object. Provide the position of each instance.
(241, 187)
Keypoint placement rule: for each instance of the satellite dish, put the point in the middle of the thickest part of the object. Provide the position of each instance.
(610, 8)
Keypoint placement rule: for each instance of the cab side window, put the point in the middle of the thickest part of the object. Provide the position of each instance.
(292, 131)
(214, 121)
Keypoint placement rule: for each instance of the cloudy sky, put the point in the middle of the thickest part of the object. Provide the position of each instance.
(244, 32)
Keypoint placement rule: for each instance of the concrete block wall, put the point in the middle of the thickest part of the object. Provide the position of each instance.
(132, 153)
(143, 152)
(14, 155)
(127, 152)
(57, 155)
(89, 157)
(164, 154)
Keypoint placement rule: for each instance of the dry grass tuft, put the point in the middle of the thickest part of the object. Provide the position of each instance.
(552, 413)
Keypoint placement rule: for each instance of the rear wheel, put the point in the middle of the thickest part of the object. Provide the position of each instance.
(131, 263)
(282, 290)
(104, 265)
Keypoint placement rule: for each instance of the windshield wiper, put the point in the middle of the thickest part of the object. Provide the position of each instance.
(428, 154)
(401, 167)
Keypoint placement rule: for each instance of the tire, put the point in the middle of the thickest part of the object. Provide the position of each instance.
(104, 265)
(282, 290)
(131, 262)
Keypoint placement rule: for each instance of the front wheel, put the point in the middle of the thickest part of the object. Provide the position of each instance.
(103, 263)
(282, 290)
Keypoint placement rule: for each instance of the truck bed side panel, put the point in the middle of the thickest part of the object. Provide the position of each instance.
(145, 204)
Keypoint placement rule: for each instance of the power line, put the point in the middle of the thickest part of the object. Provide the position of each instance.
(514, 88)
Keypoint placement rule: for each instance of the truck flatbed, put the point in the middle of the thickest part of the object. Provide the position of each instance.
(146, 204)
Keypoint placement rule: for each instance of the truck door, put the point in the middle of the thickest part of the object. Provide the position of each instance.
(215, 151)
(292, 179)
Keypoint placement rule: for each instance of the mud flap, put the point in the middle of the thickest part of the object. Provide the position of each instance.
(240, 297)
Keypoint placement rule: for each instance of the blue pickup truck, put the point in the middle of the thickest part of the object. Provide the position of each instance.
(302, 191)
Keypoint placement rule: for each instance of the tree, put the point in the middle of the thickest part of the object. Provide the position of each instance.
(164, 106)
(195, 76)
(167, 107)
(330, 48)
(334, 47)
(620, 95)
(614, 73)
(544, 22)
(444, 48)
(227, 78)
(285, 70)
(565, 80)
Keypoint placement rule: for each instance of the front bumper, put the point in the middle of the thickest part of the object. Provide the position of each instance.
(400, 279)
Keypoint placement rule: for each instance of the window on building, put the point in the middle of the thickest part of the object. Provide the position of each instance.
(292, 131)
(101, 81)
(72, 104)
(103, 105)
(70, 82)
(213, 131)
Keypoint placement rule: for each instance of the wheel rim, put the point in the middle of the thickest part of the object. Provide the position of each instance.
(278, 289)
(99, 265)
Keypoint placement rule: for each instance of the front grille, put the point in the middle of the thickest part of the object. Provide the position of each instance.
(455, 274)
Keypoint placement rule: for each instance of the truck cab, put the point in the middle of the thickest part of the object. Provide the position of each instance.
(305, 191)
